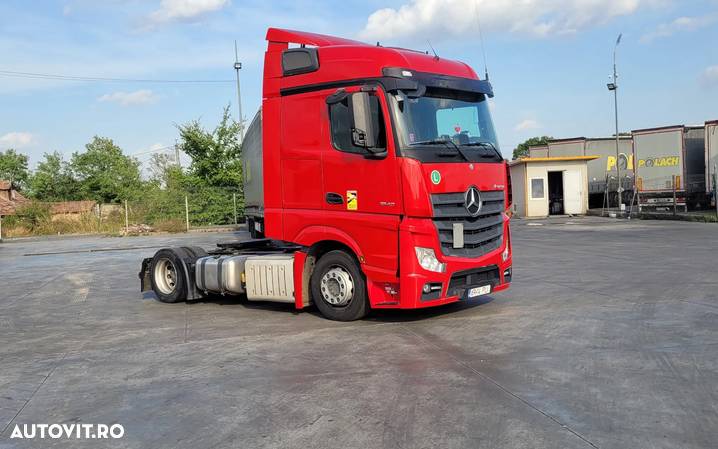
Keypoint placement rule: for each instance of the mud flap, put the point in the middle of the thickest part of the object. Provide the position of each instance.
(145, 282)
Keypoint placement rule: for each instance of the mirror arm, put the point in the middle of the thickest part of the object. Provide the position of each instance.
(372, 155)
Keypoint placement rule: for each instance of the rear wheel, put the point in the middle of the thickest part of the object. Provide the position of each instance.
(339, 288)
(167, 276)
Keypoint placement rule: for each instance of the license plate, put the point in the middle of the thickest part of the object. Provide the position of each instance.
(478, 291)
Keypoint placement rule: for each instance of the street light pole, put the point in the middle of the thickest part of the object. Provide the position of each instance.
(237, 67)
(614, 87)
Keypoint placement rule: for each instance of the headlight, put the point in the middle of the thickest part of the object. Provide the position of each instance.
(427, 260)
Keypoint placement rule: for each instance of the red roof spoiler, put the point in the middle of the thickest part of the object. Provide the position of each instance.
(303, 38)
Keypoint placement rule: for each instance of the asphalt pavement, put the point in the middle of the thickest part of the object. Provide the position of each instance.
(608, 338)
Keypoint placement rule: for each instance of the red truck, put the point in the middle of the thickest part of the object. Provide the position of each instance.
(373, 180)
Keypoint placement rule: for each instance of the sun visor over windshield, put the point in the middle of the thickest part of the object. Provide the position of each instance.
(406, 78)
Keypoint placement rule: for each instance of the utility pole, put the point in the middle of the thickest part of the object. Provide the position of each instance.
(613, 86)
(237, 68)
(177, 159)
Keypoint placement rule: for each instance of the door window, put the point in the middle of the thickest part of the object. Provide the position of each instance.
(341, 119)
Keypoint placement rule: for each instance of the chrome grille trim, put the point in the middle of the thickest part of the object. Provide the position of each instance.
(482, 234)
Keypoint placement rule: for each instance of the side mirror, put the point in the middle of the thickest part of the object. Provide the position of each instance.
(363, 133)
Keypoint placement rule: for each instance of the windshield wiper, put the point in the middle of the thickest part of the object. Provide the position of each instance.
(447, 143)
(485, 145)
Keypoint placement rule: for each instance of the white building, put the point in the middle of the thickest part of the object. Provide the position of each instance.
(543, 186)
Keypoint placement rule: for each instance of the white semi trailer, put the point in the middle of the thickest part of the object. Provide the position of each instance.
(670, 162)
(711, 142)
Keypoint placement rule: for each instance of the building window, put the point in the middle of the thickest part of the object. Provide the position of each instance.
(537, 189)
(341, 120)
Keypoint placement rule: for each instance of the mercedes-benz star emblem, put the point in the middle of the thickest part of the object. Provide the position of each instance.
(472, 201)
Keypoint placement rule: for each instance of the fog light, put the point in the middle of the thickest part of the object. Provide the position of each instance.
(507, 275)
(428, 261)
(426, 288)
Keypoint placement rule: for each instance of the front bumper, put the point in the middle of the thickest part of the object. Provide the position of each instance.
(460, 276)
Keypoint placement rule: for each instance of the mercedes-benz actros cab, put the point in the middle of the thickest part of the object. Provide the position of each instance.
(373, 180)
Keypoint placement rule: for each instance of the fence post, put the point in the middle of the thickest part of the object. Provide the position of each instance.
(127, 217)
(0, 228)
(674, 194)
(186, 211)
(234, 198)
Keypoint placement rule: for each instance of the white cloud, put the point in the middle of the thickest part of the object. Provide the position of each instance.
(527, 125)
(178, 10)
(709, 78)
(678, 25)
(16, 140)
(436, 18)
(143, 96)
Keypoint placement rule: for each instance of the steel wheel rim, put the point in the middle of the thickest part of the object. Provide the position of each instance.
(166, 276)
(337, 287)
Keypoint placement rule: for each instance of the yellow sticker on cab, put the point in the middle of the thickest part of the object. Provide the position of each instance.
(352, 201)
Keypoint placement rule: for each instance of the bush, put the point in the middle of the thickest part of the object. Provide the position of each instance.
(170, 226)
(32, 215)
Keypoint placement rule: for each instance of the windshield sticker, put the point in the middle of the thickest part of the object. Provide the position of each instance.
(412, 137)
(352, 202)
(435, 177)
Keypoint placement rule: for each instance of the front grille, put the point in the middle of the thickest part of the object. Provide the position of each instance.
(482, 234)
(463, 280)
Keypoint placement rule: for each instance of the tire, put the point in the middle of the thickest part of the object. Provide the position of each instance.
(167, 275)
(339, 288)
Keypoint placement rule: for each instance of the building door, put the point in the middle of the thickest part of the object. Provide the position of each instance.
(572, 192)
(555, 193)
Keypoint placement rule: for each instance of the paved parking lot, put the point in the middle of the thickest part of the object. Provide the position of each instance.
(607, 339)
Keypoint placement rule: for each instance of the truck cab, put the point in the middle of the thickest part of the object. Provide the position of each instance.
(381, 165)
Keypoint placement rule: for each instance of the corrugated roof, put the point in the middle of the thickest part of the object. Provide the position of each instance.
(527, 160)
(7, 207)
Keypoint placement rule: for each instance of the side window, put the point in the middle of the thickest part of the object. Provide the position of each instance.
(537, 189)
(341, 121)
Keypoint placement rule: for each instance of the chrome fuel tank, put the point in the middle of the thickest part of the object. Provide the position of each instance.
(220, 274)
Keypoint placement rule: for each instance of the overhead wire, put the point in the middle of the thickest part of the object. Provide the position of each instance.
(57, 77)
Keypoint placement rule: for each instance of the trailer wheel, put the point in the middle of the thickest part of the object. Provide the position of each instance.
(167, 276)
(339, 288)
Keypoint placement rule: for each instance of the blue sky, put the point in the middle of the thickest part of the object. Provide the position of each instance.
(549, 62)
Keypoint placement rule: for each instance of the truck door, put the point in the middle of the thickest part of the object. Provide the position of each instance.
(362, 192)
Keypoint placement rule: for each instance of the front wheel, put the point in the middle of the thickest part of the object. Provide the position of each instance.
(168, 277)
(339, 288)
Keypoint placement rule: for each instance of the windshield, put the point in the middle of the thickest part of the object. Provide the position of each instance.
(445, 121)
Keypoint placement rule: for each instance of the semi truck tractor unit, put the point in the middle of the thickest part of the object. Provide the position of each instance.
(372, 180)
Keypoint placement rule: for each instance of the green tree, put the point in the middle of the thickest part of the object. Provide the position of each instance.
(104, 173)
(216, 155)
(522, 150)
(13, 168)
(52, 180)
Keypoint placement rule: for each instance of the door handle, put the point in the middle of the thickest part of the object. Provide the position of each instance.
(334, 198)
